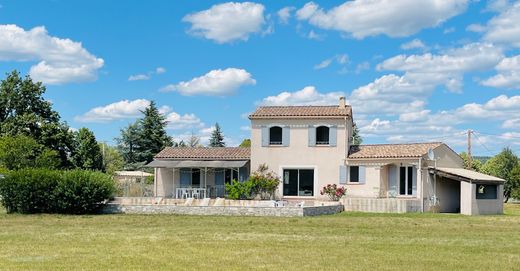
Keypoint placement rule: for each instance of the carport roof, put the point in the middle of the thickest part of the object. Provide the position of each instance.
(461, 174)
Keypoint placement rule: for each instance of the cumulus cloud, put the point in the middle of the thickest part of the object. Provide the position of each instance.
(61, 61)
(508, 74)
(477, 28)
(504, 28)
(127, 109)
(124, 109)
(214, 83)
(227, 22)
(398, 18)
(414, 44)
(341, 59)
(306, 96)
(284, 14)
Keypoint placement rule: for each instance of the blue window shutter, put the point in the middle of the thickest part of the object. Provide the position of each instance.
(265, 136)
(333, 130)
(362, 174)
(392, 181)
(286, 136)
(342, 174)
(414, 181)
(219, 177)
(185, 177)
(312, 136)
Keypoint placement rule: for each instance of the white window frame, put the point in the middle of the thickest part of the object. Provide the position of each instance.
(405, 181)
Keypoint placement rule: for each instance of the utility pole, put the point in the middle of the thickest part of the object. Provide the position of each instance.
(469, 149)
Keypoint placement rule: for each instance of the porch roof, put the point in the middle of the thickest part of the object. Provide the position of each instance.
(461, 174)
(197, 163)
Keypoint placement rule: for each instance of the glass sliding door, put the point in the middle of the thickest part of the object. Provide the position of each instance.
(298, 182)
(406, 181)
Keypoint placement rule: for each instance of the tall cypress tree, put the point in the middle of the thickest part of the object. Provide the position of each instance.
(153, 136)
(217, 138)
(87, 154)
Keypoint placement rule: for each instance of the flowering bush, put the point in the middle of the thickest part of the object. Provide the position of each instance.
(334, 192)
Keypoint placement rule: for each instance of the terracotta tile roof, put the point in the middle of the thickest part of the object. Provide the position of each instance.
(277, 112)
(226, 153)
(391, 150)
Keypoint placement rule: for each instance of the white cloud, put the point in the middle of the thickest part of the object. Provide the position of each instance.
(227, 22)
(446, 69)
(182, 122)
(505, 28)
(511, 124)
(245, 128)
(148, 75)
(341, 59)
(306, 96)
(314, 36)
(124, 109)
(284, 14)
(61, 61)
(160, 70)
(414, 44)
(498, 5)
(214, 83)
(398, 18)
(138, 77)
(508, 74)
(477, 28)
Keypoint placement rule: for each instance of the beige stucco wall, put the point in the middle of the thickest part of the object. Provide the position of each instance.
(324, 160)
(163, 182)
(484, 206)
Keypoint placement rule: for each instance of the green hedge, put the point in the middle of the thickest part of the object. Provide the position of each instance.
(50, 191)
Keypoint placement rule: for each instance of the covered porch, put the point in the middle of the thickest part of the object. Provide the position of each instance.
(196, 178)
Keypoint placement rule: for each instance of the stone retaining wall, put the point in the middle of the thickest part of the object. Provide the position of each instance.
(223, 210)
(390, 205)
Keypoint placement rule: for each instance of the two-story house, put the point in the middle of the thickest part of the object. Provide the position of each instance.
(311, 146)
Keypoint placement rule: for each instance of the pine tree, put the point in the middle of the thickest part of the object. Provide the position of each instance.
(217, 138)
(153, 136)
(128, 145)
(87, 154)
(356, 137)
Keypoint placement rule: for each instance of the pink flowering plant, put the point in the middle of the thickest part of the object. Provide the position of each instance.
(334, 192)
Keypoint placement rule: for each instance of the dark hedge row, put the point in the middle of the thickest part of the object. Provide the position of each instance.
(51, 191)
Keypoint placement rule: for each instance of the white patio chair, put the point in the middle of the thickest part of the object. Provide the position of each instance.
(185, 193)
(196, 193)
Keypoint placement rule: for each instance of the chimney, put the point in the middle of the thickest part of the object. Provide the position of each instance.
(342, 103)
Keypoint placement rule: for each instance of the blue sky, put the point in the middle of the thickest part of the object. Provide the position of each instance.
(413, 71)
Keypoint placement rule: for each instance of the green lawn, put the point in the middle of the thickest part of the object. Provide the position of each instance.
(343, 241)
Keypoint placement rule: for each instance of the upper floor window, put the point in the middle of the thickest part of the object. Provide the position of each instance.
(322, 135)
(275, 135)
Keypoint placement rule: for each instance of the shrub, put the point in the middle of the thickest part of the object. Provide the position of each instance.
(265, 182)
(51, 191)
(240, 190)
(334, 192)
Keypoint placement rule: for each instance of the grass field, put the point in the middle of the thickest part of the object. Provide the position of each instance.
(343, 241)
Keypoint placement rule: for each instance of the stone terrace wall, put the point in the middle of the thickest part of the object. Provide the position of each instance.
(223, 210)
(391, 205)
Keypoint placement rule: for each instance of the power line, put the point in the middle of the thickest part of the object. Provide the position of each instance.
(481, 143)
(501, 136)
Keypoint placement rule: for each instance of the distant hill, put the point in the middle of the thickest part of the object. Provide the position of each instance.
(482, 159)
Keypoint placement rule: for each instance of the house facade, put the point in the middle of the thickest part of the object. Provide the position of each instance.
(311, 146)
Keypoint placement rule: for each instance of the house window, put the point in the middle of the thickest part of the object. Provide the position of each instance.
(230, 175)
(486, 191)
(298, 182)
(322, 135)
(406, 181)
(275, 135)
(354, 174)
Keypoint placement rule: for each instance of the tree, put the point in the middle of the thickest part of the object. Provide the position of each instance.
(356, 137)
(24, 111)
(217, 138)
(18, 152)
(476, 165)
(87, 154)
(515, 180)
(193, 141)
(112, 159)
(128, 146)
(246, 143)
(501, 166)
(153, 136)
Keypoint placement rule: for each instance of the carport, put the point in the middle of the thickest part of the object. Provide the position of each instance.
(468, 192)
